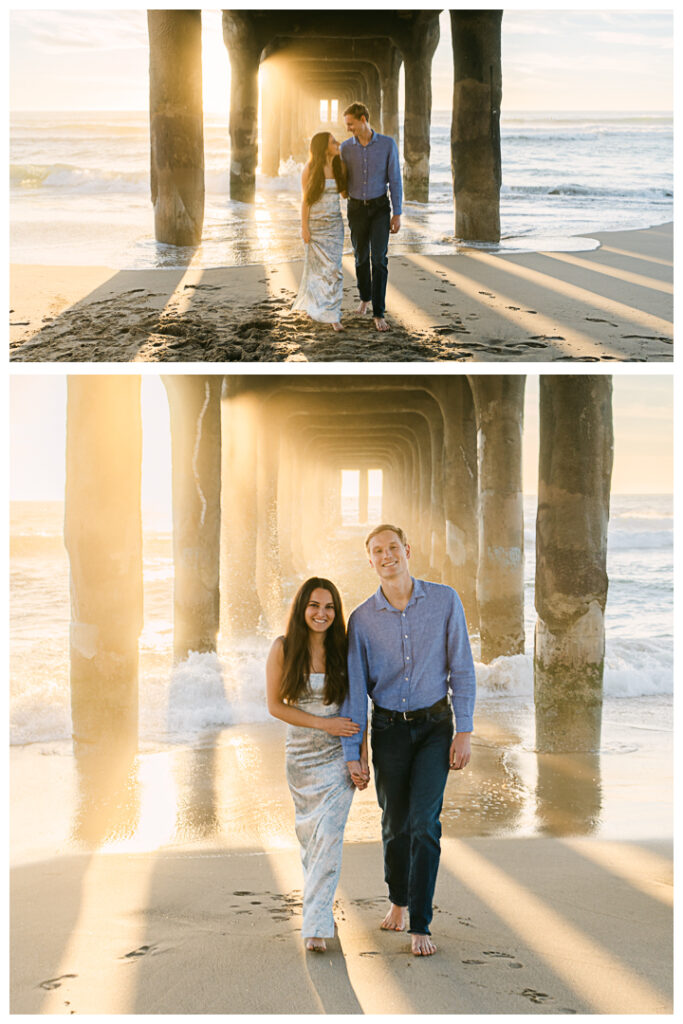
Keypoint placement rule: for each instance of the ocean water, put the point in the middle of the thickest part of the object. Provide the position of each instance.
(210, 691)
(79, 190)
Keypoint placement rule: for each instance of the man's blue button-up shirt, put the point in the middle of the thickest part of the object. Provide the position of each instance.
(409, 659)
(370, 168)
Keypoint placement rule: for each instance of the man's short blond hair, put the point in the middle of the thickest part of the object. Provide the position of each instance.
(386, 526)
(357, 110)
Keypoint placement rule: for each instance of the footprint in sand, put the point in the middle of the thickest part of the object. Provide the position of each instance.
(490, 295)
(494, 952)
(140, 951)
(534, 996)
(55, 982)
(473, 961)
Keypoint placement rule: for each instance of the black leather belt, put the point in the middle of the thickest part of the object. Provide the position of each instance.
(411, 716)
(368, 202)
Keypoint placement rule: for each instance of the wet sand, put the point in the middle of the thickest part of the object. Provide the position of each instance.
(613, 303)
(173, 883)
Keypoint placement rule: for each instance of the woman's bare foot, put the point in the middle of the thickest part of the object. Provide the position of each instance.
(363, 308)
(422, 945)
(381, 324)
(338, 326)
(316, 945)
(395, 921)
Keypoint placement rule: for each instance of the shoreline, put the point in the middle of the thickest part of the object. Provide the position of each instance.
(613, 303)
(170, 889)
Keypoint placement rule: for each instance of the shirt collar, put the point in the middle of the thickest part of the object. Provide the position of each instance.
(372, 139)
(381, 602)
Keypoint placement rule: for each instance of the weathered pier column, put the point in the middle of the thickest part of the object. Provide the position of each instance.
(176, 125)
(103, 536)
(194, 402)
(239, 505)
(418, 50)
(244, 48)
(268, 571)
(475, 126)
(389, 78)
(499, 406)
(460, 491)
(271, 113)
(575, 470)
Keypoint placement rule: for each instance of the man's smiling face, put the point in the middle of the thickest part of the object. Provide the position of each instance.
(388, 556)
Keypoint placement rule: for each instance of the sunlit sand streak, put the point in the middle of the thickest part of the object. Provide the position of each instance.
(397, 304)
(621, 275)
(574, 957)
(637, 256)
(180, 299)
(540, 324)
(572, 291)
(374, 982)
(102, 900)
(632, 863)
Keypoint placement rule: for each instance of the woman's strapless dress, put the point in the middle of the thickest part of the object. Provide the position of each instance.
(322, 791)
(321, 288)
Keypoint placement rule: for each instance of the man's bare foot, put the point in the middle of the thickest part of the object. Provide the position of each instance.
(316, 945)
(363, 308)
(338, 326)
(395, 921)
(381, 324)
(422, 945)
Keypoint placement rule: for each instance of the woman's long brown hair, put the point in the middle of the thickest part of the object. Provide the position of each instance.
(315, 186)
(296, 668)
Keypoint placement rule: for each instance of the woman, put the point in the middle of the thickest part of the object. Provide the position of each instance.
(306, 682)
(322, 229)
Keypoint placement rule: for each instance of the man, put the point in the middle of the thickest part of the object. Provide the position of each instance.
(407, 644)
(372, 163)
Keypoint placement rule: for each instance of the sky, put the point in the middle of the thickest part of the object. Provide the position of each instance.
(552, 60)
(643, 427)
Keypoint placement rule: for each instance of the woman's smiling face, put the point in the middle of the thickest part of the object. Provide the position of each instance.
(319, 613)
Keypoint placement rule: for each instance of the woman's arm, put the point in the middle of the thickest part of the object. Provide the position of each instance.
(335, 726)
(305, 232)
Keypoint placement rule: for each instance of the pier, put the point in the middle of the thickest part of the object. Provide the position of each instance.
(257, 469)
(311, 65)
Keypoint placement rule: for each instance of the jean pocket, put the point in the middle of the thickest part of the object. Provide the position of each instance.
(381, 724)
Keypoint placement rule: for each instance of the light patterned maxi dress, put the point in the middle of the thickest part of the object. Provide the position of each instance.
(322, 791)
(321, 288)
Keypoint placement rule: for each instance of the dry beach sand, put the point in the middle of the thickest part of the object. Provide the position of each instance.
(178, 889)
(612, 303)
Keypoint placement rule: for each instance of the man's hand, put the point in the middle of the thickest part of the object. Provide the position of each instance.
(395, 225)
(460, 751)
(359, 772)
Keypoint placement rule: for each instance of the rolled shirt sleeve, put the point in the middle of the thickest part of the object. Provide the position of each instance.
(355, 704)
(394, 176)
(461, 667)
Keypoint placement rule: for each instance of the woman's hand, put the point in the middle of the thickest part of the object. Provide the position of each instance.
(341, 726)
(306, 235)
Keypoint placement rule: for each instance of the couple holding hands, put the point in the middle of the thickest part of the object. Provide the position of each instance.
(360, 169)
(407, 647)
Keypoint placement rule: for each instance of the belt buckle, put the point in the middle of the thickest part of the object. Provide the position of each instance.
(408, 716)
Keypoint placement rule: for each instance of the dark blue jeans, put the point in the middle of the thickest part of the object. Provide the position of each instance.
(369, 226)
(411, 764)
